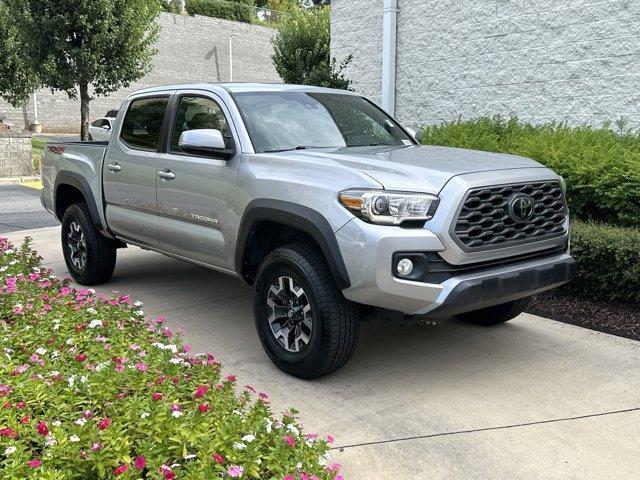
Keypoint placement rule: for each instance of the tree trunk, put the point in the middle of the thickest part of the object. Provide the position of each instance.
(84, 112)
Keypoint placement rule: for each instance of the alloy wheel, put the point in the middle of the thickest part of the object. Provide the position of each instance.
(290, 316)
(77, 246)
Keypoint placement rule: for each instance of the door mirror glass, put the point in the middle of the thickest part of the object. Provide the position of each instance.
(106, 126)
(204, 141)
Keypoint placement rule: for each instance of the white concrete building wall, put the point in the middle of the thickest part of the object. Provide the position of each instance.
(542, 60)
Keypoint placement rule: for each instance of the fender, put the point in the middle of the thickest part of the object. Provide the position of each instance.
(79, 182)
(297, 216)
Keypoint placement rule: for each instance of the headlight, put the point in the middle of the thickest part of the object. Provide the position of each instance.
(389, 208)
(563, 184)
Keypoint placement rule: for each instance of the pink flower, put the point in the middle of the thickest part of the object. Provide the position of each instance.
(142, 367)
(34, 463)
(200, 391)
(203, 407)
(43, 429)
(5, 390)
(230, 378)
(81, 357)
(288, 477)
(218, 458)
(119, 368)
(8, 432)
(186, 348)
(104, 423)
(167, 473)
(235, 471)
(121, 469)
(289, 440)
(96, 447)
(156, 396)
(329, 439)
(175, 407)
(264, 397)
(140, 462)
(24, 420)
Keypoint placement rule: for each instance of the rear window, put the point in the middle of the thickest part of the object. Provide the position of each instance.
(142, 125)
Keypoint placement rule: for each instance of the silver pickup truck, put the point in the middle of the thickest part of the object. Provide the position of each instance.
(321, 201)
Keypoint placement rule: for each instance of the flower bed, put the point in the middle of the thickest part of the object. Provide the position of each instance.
(89, 389)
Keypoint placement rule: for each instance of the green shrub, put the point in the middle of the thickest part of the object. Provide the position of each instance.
(91, 390)
(608, 261)
(236, 10)
(302, 53)
(601, 166)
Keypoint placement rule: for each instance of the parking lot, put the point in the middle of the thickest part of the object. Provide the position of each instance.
(530, 399)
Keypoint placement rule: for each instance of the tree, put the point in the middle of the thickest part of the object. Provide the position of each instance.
(77, 45)
(302, 51)
(172, 6)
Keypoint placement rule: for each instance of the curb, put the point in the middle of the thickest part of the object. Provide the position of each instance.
(13, 180)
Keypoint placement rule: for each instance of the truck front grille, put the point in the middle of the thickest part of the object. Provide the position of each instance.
(488, 218)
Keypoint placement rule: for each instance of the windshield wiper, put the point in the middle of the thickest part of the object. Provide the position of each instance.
(299, 147)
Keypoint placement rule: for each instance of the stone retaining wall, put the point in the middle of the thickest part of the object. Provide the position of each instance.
(15, 155)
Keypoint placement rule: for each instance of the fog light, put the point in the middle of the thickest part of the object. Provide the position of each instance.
(404, 267)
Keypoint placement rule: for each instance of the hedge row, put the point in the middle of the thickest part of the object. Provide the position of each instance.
(89, 389)
(236, 10)
(600, 165)
(608, 260)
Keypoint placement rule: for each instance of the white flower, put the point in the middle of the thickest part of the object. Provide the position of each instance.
(101, 366)
(190, 456)
(54, 373)
(41, 351)
(144, 414)
(138, 312)
(56, 423)
(176, 361)
(268, 424)
(292, 428)
(84, 379)
(70, 341)
(299, 465)
(13, 262)
(91, 291)
(55, 354)
(74, 438)
(9, 450)
(323, 460)
(95, 323)
(137, 303)
(92, 310)
(50, 441)
(4, 269)
(81, 421)
(71, 380)
(9, 251)
(239, 446)
(248, 438)
(176, 413)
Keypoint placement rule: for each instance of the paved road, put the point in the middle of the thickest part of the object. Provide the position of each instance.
(20, 209)
(531, 399)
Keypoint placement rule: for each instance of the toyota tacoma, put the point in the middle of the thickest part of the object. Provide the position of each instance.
(325, 204)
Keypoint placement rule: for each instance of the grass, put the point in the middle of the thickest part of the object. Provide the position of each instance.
(37, 146)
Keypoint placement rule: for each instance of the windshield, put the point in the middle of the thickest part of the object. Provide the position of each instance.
(279, 121)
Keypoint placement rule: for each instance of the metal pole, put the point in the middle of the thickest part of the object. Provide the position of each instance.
(389, 30)
(230, 59)
(35, 108)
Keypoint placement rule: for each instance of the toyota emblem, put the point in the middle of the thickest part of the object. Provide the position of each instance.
(521, 207)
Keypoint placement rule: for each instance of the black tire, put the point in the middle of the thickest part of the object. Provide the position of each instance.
(335, 320)
(100, 252)
(497, 314)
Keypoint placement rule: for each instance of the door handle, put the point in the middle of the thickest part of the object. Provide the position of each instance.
(166, 175)
(114, 167)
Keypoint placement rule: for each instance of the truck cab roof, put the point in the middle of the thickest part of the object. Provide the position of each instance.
(242, 88)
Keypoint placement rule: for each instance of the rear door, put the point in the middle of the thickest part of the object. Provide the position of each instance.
(129, 170)
(195, 192)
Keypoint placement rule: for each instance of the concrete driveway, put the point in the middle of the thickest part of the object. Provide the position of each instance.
(532, 399)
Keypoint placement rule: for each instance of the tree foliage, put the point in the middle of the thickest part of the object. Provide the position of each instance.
(74, 45)
(302, 51)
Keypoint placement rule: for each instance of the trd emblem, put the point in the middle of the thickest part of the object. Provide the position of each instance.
(521, 207)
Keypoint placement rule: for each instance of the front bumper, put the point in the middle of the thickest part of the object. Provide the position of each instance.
(368, 251)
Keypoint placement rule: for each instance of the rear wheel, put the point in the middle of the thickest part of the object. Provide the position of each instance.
(90, 257)
(305, 324)
(496, 314)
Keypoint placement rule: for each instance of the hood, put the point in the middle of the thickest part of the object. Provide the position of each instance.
(416, 168)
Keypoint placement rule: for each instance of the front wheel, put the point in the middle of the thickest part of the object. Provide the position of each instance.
(305, 324)
(496, 314)
(90, 257)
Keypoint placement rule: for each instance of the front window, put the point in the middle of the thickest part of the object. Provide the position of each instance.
(279, 121)
(199, 113)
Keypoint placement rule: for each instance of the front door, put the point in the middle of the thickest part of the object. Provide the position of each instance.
(195, 192)
(129, 172)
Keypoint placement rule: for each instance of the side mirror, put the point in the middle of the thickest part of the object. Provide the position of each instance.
(205, 141)
(416, 134)
(106, 127)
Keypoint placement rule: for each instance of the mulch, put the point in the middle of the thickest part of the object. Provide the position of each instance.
(613, 318)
